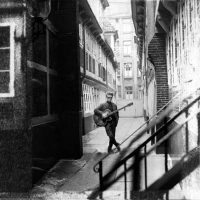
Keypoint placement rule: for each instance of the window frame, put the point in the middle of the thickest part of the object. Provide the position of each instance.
(127, 47)
(128, 73)
(49, 117)
(11, 92)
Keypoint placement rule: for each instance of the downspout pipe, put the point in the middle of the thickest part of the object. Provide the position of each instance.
(83, 77)
(84, 50)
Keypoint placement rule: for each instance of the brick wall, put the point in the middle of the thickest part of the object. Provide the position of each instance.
(157, 52)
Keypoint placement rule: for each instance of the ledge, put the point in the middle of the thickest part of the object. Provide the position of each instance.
(86, 12)
(12, 4)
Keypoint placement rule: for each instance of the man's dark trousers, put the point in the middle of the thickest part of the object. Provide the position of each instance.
(110, 130)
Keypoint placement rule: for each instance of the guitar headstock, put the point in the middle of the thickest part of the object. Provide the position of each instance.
(130, 104)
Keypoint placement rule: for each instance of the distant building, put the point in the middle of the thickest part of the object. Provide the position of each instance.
(98, 68)
(128, 75)
(55, 69)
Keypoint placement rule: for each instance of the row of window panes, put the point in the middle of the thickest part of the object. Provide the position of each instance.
(91, 63)
(128, 70)
(4, 59)
(92, 59)
(182, 37)
(91, 98)
(127, 48)
(92, 45)
(45, 82)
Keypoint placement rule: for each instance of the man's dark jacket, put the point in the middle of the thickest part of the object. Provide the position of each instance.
(112, 107)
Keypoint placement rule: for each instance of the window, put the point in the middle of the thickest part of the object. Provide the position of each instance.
(104, 74)
(119, 91)
(91, 98)
(86, 60)
(39, 43)
(118, 71)
(39, 85)
(127, 48)
(6, 60)
(81, 57)
(99, 69)
(90, 63)
(81, 33)
(45, 81)
(127, 28)
(182, 41)
(94, 65)
(128, 71)
(129, 92)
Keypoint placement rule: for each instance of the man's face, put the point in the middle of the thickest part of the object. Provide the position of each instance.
(109, 98)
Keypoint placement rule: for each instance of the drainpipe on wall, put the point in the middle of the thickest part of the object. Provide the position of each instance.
(84, 69)
(82, 79)
(145, 65)
(116, 89)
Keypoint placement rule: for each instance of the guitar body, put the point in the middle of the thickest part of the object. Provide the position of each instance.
(101, 121)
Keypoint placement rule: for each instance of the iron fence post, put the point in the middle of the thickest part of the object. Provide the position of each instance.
(166, 152)
(125, 181)
(145, 166)
(186, 133)
(166, 145)
(137, 171)
(198, 123)
(101, 175)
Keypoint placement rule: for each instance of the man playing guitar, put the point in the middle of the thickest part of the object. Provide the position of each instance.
(111, 122)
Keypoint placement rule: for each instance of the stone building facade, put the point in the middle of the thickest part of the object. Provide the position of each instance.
(167, 31)
(128, 75)
(43, 73)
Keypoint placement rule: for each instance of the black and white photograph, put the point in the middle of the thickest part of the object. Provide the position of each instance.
(100, 99)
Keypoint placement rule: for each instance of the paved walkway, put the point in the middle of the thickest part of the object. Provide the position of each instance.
(97, 139)
(75, 179)
(78, 175)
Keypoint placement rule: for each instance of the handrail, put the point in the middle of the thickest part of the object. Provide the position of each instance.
(162, 108)
(151, 124)
(152, 148)
(192, 156)
(145, 123)
(153, 135)
(163, 139)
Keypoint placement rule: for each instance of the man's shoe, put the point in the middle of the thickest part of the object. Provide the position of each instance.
(118, 147)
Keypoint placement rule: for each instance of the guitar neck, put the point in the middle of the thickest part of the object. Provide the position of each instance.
(116, 111)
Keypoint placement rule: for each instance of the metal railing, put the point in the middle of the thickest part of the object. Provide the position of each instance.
(136, 154)
(141, 126)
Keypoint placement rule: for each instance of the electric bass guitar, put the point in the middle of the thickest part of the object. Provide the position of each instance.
(101, 120)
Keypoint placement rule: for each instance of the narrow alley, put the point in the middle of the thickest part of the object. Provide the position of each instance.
(67, 67)
(73, 177)
(76, 179)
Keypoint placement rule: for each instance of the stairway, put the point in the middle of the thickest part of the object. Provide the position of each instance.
(142, 174)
